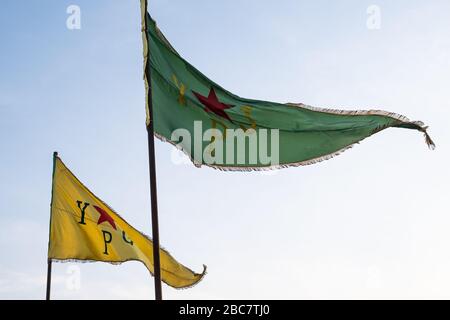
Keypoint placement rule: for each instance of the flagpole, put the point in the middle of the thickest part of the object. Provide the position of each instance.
(152, 168)
(153, 196)
(49, 278)
(49, 261)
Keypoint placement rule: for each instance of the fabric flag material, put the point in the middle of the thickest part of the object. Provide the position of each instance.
(185, 99)
(84, 228)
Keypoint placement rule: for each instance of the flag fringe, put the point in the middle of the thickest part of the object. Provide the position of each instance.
(418, 125)
(267, 168)
(393, 115)
(72, 260)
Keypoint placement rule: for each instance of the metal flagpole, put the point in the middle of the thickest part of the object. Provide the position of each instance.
(49, 261)
(49, 278)
(153, 196)
(151, 161)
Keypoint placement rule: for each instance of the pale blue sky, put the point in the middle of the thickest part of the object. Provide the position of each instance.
(371, 223)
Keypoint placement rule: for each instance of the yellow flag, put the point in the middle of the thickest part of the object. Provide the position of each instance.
(84, 228)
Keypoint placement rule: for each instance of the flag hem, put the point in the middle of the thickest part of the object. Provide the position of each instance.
(69, 260)
(202, 274)
(145, 49)
(418, 125)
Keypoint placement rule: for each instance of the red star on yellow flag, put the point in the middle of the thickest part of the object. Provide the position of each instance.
(104, 216)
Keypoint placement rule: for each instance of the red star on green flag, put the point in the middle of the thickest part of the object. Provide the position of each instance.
(212, 104)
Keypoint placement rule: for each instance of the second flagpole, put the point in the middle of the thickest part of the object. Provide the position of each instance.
(151, 156)
(49, 261)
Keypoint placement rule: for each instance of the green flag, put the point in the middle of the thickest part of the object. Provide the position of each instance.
(216, 128)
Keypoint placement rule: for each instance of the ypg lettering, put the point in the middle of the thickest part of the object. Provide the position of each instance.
(83, 210)
(107, 238)
(104, 220)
